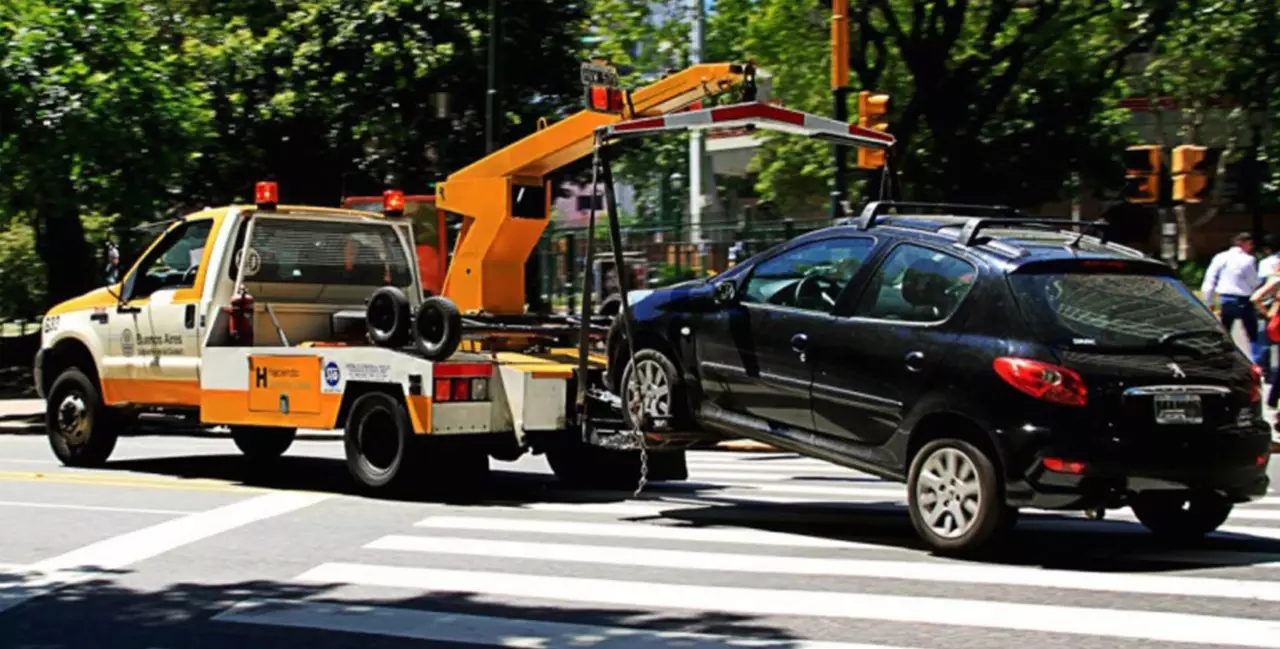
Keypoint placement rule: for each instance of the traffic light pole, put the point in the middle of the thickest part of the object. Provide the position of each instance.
(840, 183)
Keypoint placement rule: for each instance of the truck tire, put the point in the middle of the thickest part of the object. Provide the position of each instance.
(387, 318)
(657, 385)
(259, 443)
(437, 329)
(579, 465)
(380, 445)
(82, 431)
(975, 480)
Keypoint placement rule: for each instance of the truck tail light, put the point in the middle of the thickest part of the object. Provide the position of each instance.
(1043, 381)
(457, 382)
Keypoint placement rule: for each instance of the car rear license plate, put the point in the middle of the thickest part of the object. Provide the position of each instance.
(1179, 409)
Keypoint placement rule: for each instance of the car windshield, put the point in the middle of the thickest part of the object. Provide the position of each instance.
(1116, 311)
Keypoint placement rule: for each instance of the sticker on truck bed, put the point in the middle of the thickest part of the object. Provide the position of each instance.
(284, 384)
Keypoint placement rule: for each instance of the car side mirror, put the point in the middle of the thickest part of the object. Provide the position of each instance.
(726, 292)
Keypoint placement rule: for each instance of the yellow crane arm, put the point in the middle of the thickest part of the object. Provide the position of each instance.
(507, 199)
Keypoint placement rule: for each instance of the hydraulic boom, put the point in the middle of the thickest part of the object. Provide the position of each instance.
(506, 198)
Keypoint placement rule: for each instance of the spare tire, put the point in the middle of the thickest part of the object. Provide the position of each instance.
(438, 328)
(386, 317)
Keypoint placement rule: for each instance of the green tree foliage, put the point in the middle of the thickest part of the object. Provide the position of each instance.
(146, 110)
(993, 101)
(340, 97)
(97, 112)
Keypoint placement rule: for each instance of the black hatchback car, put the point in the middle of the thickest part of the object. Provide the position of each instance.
(990, 360)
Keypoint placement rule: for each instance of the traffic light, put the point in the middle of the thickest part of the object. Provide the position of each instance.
(1193, 170)
(1142, 171)
(872, 109)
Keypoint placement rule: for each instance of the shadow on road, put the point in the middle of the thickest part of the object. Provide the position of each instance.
(1043, 540)
(182, 615)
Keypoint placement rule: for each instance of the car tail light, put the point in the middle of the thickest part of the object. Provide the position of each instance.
(456, 382)
(1043, 381)
(1059, 465)
(1255, 384)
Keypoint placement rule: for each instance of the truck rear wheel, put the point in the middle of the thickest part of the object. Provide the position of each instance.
(262, 443)
(379, 441)
(81, 429)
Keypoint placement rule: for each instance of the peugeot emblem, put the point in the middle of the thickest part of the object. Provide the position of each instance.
(1177, 371)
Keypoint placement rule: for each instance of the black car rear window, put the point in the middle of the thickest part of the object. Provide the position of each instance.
(1107, 310)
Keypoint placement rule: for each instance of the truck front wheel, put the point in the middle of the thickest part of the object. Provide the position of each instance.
(81, 428)
(262, 443)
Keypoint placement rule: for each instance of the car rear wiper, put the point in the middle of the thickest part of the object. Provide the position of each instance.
(1177, 337)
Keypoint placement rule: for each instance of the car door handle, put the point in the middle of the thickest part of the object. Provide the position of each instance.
(189, 317)
(915, 361)
(799, 342)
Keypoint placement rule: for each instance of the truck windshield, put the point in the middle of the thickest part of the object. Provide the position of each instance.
(288, 250)
(1116, 311)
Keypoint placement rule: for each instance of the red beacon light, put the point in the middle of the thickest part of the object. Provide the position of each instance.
(393, 202)
(266, 195)
(603, 99)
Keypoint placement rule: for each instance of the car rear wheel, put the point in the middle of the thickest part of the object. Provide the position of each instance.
(956, 498)
(1181, 516)
(380, 445)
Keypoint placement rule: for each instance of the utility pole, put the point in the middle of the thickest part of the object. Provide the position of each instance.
(491, 94)
(840, 93)
(697, 145)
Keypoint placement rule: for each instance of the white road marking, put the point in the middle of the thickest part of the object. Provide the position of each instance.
(750, 489)
(837, 513)
(94, 508)
(492, 631)
(931, 571)
(728, 535)
(1117, 623)
(153, 541)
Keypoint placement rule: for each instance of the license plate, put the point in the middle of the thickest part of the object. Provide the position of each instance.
(1179, 409)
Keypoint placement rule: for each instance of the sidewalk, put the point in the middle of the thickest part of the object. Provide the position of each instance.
(20, 408)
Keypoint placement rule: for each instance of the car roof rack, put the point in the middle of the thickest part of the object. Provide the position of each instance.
(876, 208)
(972, 227)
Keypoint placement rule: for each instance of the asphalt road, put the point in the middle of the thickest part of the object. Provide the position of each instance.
(177, 545)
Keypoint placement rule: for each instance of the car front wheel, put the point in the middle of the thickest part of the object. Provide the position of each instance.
(955, 497)
(653, 392)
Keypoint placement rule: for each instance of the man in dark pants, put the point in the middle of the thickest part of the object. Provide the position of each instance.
(1233, 277)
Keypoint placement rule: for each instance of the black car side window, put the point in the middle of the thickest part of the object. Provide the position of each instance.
(809, 277)
(917, 284)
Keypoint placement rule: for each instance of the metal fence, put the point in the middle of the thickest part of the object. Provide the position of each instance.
(670, 254)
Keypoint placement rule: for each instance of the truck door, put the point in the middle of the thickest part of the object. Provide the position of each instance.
(165, 290)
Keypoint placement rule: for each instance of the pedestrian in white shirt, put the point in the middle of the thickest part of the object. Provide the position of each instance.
(1232, 278)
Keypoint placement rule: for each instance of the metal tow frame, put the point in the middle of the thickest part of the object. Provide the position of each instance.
(602, 174)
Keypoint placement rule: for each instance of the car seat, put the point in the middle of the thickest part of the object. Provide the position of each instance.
(925, 288)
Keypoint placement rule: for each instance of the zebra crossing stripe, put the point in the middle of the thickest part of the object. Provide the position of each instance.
(726, 535)
(492, 631)
(930, 571)
(1107, 622)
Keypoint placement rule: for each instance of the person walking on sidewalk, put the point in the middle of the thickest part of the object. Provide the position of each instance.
(1232, 278)
(1268, 269)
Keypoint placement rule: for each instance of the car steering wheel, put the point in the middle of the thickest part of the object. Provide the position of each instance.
(816, 286)
(189, 277)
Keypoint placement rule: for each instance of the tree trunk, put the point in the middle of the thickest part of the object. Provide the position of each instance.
(69, 262)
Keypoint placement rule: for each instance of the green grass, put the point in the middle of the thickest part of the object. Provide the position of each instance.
(13, 329)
